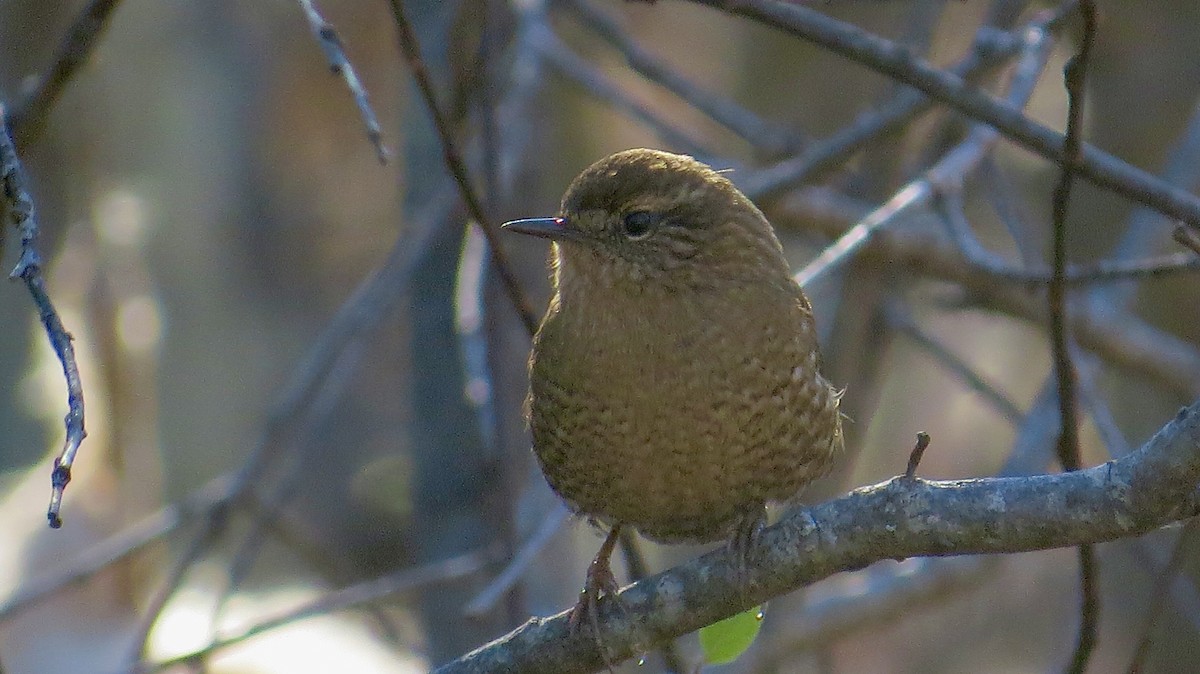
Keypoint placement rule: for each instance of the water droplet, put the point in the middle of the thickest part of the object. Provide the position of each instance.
(759, 615)
(642, 661)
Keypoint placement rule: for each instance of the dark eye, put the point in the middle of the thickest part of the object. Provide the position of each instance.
(639, 223)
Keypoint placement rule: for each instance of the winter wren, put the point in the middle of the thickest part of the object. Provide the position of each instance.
(674, 383)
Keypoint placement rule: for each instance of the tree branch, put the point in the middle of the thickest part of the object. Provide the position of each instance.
(900, 518)
(29, 115)
(18, 207)
(897, 62)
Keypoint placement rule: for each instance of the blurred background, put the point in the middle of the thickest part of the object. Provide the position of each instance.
(302, 374)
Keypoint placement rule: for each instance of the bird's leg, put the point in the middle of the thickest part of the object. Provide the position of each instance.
(745, 537)
(600, 582)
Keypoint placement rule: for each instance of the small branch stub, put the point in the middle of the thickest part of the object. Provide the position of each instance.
(914, 459)
(1187, 238)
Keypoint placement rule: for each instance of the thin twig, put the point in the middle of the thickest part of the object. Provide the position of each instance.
(1067, 448)
(1121, 338)
(762, 133)
(1180, 553)
(486, 600)
(596, 83)
(335, 54)
(29, 115)
(1186, 237)
(877, 597)
(893, 60)
(366, 308)
(270, 503)
(22, 214)
(411, 48)
(365, 592)
(990, 46)
(117, 547)
(947, 174)
(902, 321)
(1103, 271)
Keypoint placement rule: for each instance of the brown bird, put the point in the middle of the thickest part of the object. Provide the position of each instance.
(674, 383)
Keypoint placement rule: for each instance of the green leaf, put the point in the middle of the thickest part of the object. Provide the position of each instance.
(724, 641)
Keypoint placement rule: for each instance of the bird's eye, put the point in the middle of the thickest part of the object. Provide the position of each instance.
(637, 225)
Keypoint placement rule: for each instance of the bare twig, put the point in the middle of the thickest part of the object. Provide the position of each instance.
(487, 598)
(348, 597)
(117, 547)
(411, 48)
(22, 214)
(1122, 339)
(770, 136)
(990, 46)
(1180, 553)
(557, 55)
(1067, 448)
(947, 174)
(893, 60)
(879, 595)
(363, 310)
(902, 321)
(952, 211)
(335, 54)
(1188, 238)
(28, 117)
(1074, 73)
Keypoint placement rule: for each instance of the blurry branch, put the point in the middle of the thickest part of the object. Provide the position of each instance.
(355, 595)
(28, 116)
(989, 47)
(903, 321)
(897, 62)
(900, 518)
(411, 48)
(876, 596)
(362, 311)
(115, 548)
(761, 133)
(335, 54)
(517, 566)
(1187, 238)
(270, 500)
(1122, 339)
(944, 176)
(21, 213)
(1067, 447)
(1183, 550)
(599, 85)
(1103, 271)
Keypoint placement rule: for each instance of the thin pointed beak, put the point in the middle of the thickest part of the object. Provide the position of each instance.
(557, 229)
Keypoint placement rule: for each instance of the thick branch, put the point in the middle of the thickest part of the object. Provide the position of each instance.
(900, 518)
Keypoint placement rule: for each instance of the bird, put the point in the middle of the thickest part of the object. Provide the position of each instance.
(674, 381)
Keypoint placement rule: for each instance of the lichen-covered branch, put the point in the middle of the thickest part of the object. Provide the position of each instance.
(900, 518)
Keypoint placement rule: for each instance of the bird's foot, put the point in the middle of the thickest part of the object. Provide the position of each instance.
(600, 583)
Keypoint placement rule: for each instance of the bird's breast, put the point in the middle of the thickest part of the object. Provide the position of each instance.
(677, 414)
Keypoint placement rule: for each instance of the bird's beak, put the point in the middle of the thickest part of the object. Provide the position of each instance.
(557, 229)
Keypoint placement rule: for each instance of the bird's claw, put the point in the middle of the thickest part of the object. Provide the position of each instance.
(600, 583)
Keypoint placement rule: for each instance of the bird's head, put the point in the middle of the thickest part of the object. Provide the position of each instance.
(646, 217)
